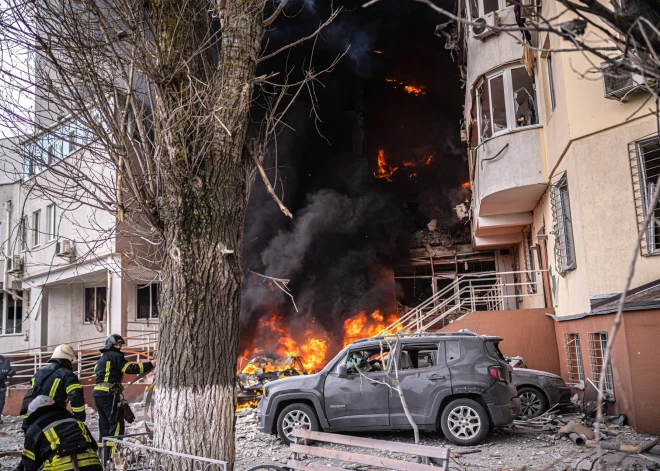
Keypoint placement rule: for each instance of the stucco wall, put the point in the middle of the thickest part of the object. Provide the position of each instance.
(65, 315)
(526, 332)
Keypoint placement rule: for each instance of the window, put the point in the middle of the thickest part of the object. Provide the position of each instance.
(507, 101)
(453, 349)
(551, 82)
(36, 228)
(95, 304)
(597, 348)
(13, 318)
(528, 252)
(51, 222)
(563, 226)
(419, 356)
(147, 301)
(368, 360)
(574, 359)
(23, 233)
(483, 7)
(648, 170)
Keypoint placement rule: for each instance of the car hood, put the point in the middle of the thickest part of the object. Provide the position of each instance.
(528, 372)
(292, 383)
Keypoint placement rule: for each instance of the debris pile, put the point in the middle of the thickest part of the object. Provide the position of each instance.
(261, 370)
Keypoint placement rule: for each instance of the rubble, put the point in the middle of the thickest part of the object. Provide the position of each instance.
(261, 370)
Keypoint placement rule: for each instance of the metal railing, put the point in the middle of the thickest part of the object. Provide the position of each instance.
(136, 456)
(474, 292)
(28, 361)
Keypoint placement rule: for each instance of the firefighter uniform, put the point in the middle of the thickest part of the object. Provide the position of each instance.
(55, 439)
(6, 372)
(60, 383)
(109, 372)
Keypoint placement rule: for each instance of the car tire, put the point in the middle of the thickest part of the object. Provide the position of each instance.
(293, 416)
(532, 403)
(465, 422)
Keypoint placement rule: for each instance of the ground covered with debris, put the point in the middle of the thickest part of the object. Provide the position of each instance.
(506, 450)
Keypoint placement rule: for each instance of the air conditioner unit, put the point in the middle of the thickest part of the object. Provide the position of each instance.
(65, 249)
(15, 264)
(618, 83)
(484, 25)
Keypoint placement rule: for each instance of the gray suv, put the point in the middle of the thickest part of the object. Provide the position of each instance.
(456, 381)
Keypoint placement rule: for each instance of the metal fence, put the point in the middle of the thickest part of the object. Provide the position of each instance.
(132, 454)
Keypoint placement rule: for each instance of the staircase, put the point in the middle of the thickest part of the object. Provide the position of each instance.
(467, 293)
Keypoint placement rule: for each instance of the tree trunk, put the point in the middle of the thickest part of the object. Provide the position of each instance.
(205, 196)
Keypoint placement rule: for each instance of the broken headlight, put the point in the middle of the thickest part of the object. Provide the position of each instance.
(557, 382)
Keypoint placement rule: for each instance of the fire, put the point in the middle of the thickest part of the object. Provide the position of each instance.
(314, 351)
(363, 326)
(384, 169)
(428, 160)
(412, 89)
(408, 163)
(466, 185)
(412, 175)
(415, 90)
(376, 51)
(247, 405)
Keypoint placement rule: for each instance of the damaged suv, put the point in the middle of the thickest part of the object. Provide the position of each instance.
(458, 382)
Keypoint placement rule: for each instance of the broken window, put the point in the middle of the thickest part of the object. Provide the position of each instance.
(574, 359)
(453, 349)
(524, 98)
(530, 270)
(597, 348)
(95, 304)
(419, 356)
(368, 360)
(490, 5)
(648, 170)
(563, 226)
(147, 301)
(507, 101)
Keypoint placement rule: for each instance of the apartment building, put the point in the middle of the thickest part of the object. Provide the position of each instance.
(66, 276)
(562, 170)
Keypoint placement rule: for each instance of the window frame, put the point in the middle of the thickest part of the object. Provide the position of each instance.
(596, 339)
(385, 349)
(577, 358)
(551, 82)
(508, 102)
(502, 4)
(152, 303)
(51, 222)
(647, 190)
(95, 288)
(528, 256)
(565, 254)
(36, 228)
(4, 312)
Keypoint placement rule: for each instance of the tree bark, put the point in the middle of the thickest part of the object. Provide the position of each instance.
(204, 200)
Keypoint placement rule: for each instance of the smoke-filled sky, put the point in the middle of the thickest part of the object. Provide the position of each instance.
(349, 227)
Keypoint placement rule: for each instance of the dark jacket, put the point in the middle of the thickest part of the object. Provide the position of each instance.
(111, 367)
(6, 371)
(62, 386)
(50, 427)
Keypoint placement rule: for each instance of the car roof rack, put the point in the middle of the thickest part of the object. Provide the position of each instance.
(460, 333)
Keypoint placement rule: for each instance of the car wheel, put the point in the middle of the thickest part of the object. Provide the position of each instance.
(532, 403)
(465, 422)
(294, 416)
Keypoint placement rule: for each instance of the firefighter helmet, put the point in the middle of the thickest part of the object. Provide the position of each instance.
(64, 352)
(39, 402)
(114, 339)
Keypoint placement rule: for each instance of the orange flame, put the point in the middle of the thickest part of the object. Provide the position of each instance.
(247, 405)
(417, 90)
(362, 326)
(408, 163)
(465, 185)
(428, 160)
(376, 51)
(384, 169)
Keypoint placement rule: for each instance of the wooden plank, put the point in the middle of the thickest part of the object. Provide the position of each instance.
(305, 466)
(408, 448)
(368, 460)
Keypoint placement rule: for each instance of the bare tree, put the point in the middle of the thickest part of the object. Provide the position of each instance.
(152, 107)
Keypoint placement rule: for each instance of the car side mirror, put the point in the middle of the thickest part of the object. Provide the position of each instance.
(341, 371)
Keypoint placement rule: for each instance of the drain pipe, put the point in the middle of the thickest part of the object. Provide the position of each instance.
(108, 301)
(7, 244)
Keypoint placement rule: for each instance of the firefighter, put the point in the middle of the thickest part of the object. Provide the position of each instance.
(109, 371)
(56, 440)
(57, 381)
(6, 372)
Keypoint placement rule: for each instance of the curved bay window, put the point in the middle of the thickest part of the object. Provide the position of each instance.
(506, 101)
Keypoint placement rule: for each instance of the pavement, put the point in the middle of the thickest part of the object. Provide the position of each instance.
(503, 450)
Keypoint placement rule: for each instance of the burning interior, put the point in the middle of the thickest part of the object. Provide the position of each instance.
(373, 189)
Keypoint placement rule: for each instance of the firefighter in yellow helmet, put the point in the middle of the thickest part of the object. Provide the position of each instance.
(58, 381)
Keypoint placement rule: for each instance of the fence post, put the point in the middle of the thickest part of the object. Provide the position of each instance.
(473, 305)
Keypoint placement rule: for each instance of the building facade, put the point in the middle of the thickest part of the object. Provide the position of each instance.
(563, 168)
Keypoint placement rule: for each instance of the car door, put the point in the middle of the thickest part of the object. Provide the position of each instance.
(357, 398)
(425, 381)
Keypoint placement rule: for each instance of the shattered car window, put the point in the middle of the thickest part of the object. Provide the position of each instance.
(367, 361)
